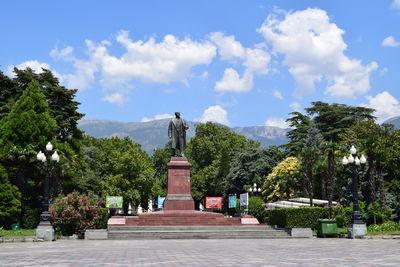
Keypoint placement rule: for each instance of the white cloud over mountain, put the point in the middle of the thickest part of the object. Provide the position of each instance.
(215, 114)
(313, 50)
(277, 122)
(158, 117)
(386, 106)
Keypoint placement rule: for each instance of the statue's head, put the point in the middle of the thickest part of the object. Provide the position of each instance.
(177, 114)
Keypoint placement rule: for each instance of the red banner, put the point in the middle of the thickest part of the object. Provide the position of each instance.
(213, 202)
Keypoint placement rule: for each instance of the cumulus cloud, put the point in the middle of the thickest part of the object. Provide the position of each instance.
(228, 47)
(396, 4)
(215, 114)
(386, 106)
(232, 82)
(149, 61)
(254, 60)
(277, 94)
(390, 42)
(277, 122)
(313, 50)
(115, 98)
(158, 117)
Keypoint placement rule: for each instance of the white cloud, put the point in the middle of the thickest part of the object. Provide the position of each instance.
(396, 4)
(295, 106)
(62, 54)
(228, 47)
(232, 82)
(204, 75)
(115, 98)
(276, 93)
(277, 122)
(385, 104)
(254, 60)
(35, 65)
(148, 61)
(215, 114)
(158, 117)
(313, 50)
(390, 42)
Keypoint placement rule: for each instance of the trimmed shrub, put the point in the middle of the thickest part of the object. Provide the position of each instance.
(306, 217)
(76, 213)
(256, 208)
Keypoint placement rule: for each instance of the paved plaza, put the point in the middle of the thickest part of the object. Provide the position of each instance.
(228, 252)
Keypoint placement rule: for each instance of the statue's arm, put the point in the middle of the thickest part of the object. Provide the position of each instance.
(170, 130)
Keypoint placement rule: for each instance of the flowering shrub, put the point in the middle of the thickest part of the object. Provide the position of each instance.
(76, 213)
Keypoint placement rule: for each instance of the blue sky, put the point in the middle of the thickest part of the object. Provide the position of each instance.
(240, 63)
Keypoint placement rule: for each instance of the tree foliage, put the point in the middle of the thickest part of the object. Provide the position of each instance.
(282, 182)
(212, 151)
(120, 168)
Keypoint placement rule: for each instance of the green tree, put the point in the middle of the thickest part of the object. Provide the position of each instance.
(283, 181)
(10, 204)
(9, 94)
(333, 120)
(62, 106)
(299, 124)
(24, 131)
(250, 166)
(309, 155)
(211, 151)
(121, 168)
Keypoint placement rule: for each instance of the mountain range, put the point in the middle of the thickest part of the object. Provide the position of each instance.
(395, 121)
(153, 134)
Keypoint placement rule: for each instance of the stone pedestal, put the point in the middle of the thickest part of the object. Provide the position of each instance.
(178, 197)
(357, 230)
(45, 232)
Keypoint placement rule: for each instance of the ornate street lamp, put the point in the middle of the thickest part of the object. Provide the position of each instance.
(357, 228)
(49, 162)
(254, 189)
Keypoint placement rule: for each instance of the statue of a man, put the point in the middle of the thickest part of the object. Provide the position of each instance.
(177, 133)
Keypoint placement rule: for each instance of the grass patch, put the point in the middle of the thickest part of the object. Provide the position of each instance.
(395, 232)
(21, 232)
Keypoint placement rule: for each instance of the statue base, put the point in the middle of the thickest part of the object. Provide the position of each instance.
(178, 197)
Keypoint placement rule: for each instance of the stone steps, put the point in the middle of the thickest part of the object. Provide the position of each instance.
(194, 232)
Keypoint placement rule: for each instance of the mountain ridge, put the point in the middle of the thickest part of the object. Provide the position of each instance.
(152, 135)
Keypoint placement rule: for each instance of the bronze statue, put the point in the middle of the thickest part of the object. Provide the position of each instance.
(177, 133)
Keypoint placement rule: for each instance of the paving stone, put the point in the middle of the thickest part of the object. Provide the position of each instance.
(260, 253)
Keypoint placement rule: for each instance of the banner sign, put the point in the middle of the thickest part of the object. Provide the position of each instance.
(114, 202)
(244, 199)
(213, 202)
(160, 202)
(232, 201)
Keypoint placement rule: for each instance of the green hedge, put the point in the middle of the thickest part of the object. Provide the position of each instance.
(306, 217)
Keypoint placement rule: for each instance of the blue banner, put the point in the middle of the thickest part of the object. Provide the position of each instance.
(160, 202)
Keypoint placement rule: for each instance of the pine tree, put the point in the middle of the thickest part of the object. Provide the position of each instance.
(25, 131)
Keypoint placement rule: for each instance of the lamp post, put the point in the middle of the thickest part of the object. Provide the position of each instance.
(357, 228)
(49, 161)
(254, 189)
